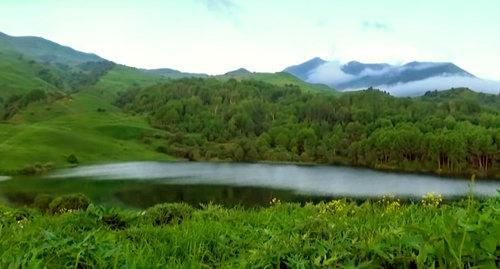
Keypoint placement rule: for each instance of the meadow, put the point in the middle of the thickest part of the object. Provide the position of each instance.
(83, 124)
(70, 231)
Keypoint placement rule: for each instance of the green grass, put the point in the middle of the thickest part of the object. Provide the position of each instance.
(121, 78)
(383, 234)
(50, 132)
(17, 75)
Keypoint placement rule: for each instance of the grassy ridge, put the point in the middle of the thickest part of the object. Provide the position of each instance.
(83, 124)
(378, 234)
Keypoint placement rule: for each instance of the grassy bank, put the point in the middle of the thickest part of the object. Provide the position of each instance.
(385, 233)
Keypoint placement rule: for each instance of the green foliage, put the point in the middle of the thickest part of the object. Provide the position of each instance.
(42, 202)
(340, 233)
(37, 169)
(449, 132)
(163, 214)
(69, 203)
(72, 159)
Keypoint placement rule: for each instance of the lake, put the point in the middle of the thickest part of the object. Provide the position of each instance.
(142, 184)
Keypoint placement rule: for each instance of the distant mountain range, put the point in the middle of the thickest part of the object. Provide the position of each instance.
(33, 62)
(413, 78)
(28, 63)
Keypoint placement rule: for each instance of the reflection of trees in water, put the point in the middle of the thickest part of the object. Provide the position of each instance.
(141, 194)
(201, 194)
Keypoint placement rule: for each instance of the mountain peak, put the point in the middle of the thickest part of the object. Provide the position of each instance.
(238, 72)
(302, 70)
(358, 75)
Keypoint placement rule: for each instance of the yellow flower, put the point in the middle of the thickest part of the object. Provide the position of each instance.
(430, 199)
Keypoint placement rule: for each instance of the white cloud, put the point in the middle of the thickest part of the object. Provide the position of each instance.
(329, 73)
(419, 87)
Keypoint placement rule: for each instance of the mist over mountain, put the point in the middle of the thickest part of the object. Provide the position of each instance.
(414, 78)
(303, 70)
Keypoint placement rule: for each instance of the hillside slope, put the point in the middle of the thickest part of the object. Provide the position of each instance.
(280, 79)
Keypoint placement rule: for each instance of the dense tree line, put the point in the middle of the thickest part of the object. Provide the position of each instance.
(453, 132)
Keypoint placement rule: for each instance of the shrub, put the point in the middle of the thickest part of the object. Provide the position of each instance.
(72, 159)
(68, 203)
(115, 221)
(42, 202)
(37, 168)
(162, 149)
(8, 216)
(163, 214)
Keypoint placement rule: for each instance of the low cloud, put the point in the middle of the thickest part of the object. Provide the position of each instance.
(419, 87)
(331, 74)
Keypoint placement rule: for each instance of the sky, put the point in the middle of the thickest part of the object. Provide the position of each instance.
(216, 36)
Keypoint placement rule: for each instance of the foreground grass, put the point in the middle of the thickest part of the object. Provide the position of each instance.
(336, 234)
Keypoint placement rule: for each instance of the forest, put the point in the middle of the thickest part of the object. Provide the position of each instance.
(454, 132)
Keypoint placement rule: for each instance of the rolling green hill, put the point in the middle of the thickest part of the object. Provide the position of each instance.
(81, 124)
(173, 74)
(280, 79)
(19, 75)
(46, 51)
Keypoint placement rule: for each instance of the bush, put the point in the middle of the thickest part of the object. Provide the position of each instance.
(8, 215)
(72, 159)
(37, 169)
(163, 214)
(68, 203)
(114, 221)
(42, 202)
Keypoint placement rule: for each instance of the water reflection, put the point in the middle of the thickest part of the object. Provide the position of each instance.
(142, 184)
(311, 180)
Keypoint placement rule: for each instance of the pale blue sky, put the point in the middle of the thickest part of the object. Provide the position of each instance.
(214, 36)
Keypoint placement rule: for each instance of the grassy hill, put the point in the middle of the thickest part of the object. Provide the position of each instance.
(46, 51)
(19, 75)
(82, 124)
(280, 78)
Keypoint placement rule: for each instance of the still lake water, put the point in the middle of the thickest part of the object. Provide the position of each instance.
(141, 184)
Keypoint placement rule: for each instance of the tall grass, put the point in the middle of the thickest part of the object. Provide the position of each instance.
(340, 233)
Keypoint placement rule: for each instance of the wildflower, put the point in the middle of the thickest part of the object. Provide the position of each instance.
(275, 201)
(390, 203)
(334, 206)
(21, 222)
(430, 199)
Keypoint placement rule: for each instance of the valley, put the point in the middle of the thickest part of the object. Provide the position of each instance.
(104, 165)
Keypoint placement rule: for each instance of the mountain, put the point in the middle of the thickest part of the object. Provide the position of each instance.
(303, 70)
(46, 51)
(413, 78)
(238, 72)
(173, 74)
(34, 63)
(368, 75)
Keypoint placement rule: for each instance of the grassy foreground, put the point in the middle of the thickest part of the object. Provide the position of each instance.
(339, 233)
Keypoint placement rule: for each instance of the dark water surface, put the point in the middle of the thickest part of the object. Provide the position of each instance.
(142, 184)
